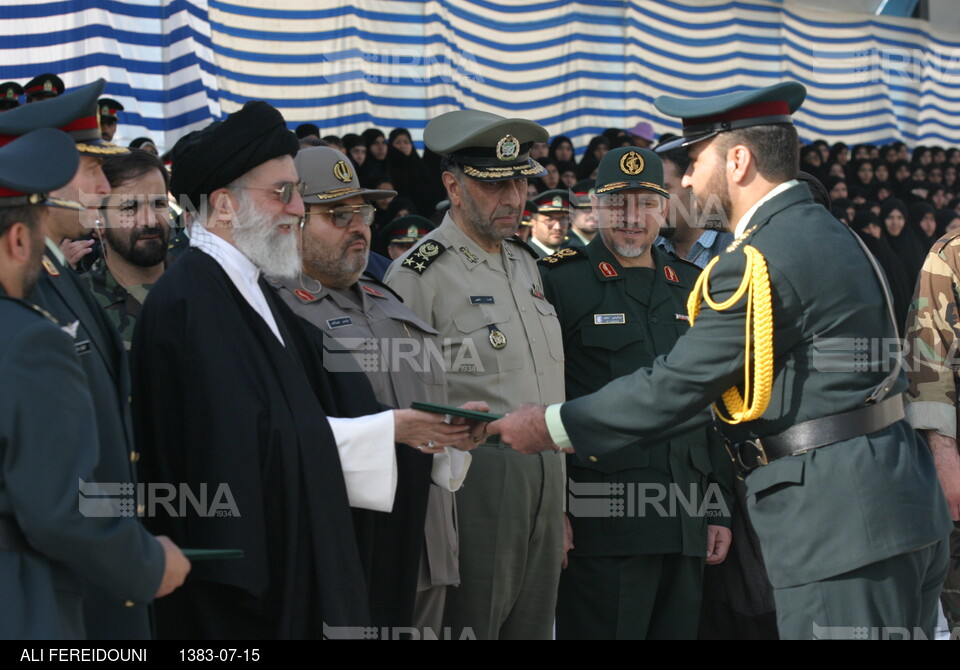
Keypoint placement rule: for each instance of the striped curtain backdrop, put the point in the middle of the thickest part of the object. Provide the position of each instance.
(576, 67)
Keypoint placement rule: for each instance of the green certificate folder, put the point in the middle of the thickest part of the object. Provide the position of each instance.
(454, 411)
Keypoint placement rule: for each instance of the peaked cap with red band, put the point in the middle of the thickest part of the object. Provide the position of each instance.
(74, 113)
(704, 118)
(34, 164)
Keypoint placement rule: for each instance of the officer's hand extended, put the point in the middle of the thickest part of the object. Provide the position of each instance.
(718, 544)
(175, 567)
(524, 429)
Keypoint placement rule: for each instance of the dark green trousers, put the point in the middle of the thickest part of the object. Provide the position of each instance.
(647, 597)
(895, 598)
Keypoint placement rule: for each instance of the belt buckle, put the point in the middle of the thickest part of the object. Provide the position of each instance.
(750, 456)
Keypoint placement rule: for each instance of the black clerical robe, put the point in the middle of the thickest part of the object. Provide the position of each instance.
(218, 400)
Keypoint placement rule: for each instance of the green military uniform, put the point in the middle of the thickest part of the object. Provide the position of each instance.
(121, 303)
(503, 345)
(616, 320)
(933, 327)
(853, 531)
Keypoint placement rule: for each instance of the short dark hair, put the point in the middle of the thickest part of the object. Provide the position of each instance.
(678, 157)
(28, 215)
(307, 129)
(774, 147)
(124, 167)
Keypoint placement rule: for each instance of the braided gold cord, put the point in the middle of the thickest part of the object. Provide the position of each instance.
(758, 337)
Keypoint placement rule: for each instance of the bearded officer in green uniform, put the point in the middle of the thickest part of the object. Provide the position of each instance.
(478, 285)
(635, 573)
(842, 494)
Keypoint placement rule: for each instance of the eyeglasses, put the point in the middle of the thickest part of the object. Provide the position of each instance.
(342, 216)
(284, 193)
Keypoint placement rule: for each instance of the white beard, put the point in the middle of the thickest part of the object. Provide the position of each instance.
(258, 238)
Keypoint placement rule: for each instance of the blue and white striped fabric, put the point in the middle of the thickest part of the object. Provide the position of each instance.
(576, 67)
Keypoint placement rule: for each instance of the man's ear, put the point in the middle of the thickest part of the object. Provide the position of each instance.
(452, 184)
(739, 162)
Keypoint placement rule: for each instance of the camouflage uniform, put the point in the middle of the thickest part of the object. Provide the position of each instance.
(122, 304)
(933, 338)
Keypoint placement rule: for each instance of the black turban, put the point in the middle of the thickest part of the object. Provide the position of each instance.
(224, 151)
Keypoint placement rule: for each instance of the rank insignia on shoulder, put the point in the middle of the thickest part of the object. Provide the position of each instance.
(561, 255)
(740, 238)
(469, 254)
(421, 257)
(372, 291)
(607, 270)
(50, 267)
(497, 339)
(671, 274)
(305, 296)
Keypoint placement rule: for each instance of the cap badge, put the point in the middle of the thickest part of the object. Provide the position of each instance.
(508, 148)
(11, 94)
(631, 163)
(342, 172)
(413, 231)
(48, 86)
(105, 111)
(557, 202)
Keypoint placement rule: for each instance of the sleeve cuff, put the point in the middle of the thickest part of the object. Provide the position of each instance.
(555, 425)
(450, 468)
(368, 458)
(938, 416)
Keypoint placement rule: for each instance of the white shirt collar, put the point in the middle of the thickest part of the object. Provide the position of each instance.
(745, 220)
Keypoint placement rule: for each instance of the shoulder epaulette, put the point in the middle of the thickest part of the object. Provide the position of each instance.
(421, 257)
(563, 256)
(366, 276)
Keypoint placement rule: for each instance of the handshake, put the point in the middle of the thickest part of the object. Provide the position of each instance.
(430, 428)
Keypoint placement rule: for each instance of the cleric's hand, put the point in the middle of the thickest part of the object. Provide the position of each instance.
(524, 429)
(478, 429)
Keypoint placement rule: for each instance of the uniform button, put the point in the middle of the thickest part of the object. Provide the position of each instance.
(653, 319)
(523, 309)
(129, 603)
(140, 510)
(129, 399)
(540, 373)
(592, 459)
(533, 340)
(134, 457)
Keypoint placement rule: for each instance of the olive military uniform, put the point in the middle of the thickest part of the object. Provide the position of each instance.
(503, 345)
(121, 303)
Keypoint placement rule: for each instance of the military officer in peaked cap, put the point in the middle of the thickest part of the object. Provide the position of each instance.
(10, 93)
(551, 222)
(49, 546)
(401, 234)
(109, 113)
(43, 87)
(583, 224)
(478, 285)
(621, 303)
(96, 340)
(526, 221)
(843, 496)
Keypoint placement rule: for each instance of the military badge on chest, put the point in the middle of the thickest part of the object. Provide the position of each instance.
(497, 339)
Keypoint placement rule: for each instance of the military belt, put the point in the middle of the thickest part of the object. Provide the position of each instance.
(815, 433)
(11, 537)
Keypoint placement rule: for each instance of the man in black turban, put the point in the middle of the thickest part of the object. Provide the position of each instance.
(230, 397)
